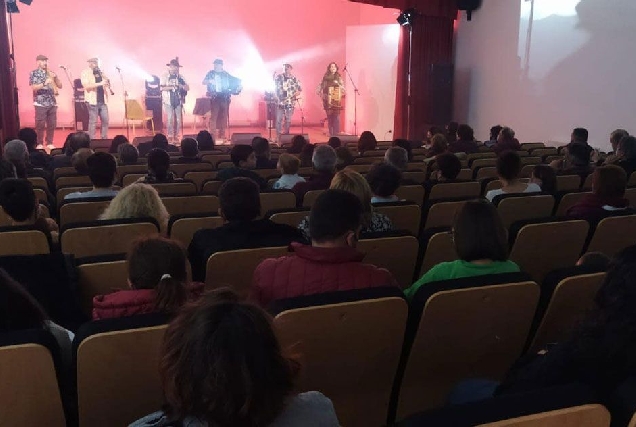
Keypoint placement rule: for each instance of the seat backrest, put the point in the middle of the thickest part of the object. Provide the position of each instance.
(465, 175)
(440, 248)
(183, 229)
(415, 176)
(126, 169)
(534, 241)
(310, 197)
(199, 177)
(267, 173)
(118, 376)
(62, 192)
(100, 278)
(94, 240)
(396, 254)
(291, 218)
(412, 193)
(131, 178)
(215, 158)
(486, 172)
(235, 269)
(73, 181)
(277, 200)
(182, 168)
(359, 387)
(613, 234)
(587, 184)
(442, 214)
(495, 184)
(360, 168)
(38, 182)
(483, 162)
(84, 211)
(630, 194)
(64, 170)
(568, 182)
(134, 110)
(594, 415)
(403, 217)
(568, 200)
(211, 187)
(23, 242)
(448, 190)
(482, 342)
(531, 160)
(519, 208)
(483, 155)
(29, 393)
(572, 299)
(177, 187)
(189, 205)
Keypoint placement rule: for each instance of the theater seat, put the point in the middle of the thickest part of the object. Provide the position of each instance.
(568, 200)
(100, 276)
(291, 217)
(177, 187)
(211, 187)
(23, 241)
(518, 207)
(441, 213)
(439, 248)
(404, 215)
(82, 210)
(190, 204)
(613, 234)
(180, 169)
(412, 193)
(199, 177)
(310, 197)
(446, 190)
(277, 199)
(398, 254)
(182, 227)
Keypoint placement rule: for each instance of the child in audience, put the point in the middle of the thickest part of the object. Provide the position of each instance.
(222, 365)
(138, 201)
(508, 170)
(158, 280)
(545, 177)
(288, 165)
(384, 180)
(481, 243)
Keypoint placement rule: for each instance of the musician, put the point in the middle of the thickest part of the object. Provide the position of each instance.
(287, 91)
(220, 87)
(45, 85)
(173, 92)
(331, 89)
(96, 88)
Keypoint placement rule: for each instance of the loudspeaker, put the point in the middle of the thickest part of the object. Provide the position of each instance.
(286, 139)
(441, 93)
(468, 6)
(348, 139)
(81, 116)
(154, 104)
(101, 144)
(141, 139)
(239, 138)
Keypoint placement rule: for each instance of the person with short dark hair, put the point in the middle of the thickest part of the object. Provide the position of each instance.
(465, 142)
(240, 207)
(74, 142)
(297, 144)
(367, 142)
(158, 280)
(117, 141)
(384, 180)
(397, 157)
(451, 132)
(189, 151)
(506, 141)
(579, 135)
(575, 162)
(306, 155)
(158, 141)
(244, 160)
(508, 170)
(344, 158)
(594, 260)
(406, 145)
(102, 169)
(205, 140)
(334, 142)
(448, 167)
(158, 168)
(432, 131)
(222, 365)
(324, 162)
(263, 153)
(545, 177)
(330, 264)
(481, 243)
(626, 155)
(608, 195)
(128, 154)
(37, 158)
(494, 134)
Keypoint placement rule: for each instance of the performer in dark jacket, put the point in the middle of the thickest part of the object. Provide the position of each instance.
(220, 87)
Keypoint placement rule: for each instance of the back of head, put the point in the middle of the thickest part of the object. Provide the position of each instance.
(128, 154)
(397, 157)
(452, 127)
(324, 159)
(76, 141)
(403, 143)
(439, 143)
(297, 144)
(616, 137)
(159, 141)
(7, 170)
(334, 214)
(609, 182)
(260, 146)
(307, 154)
(189, 147)
(367, 142)
(240, 153)
(222, 364)
(205, 140)
(354, 183)
(449, 165)
(580, 135)
(137, 201)
(578, 154)
(18, 309)
(289, 163)
(479, 233)
(383, 179)
(17, 198)
(117, 141)
(465, 133)
(29, 136)
(79, 158)
(159, 263)
(508, 165)
(239, 200)
(16, 152)
(102, 168)
(344, 157)
(547, 175)
(494, 132)
(334, 142)
(159, 162)
(595, 260)
(506, 134)
(627, 147)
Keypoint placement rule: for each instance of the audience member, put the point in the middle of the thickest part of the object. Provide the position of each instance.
(324, 162)
(384, 180)
(288, 164)
(138, 201)
(330, 264)
(240, 208)
(581, 136)
(439, 145)
(158, 281)
(575, 162)
(158, 141)
(448, 167)
(494, 135)
(626, 155)
(205, 140)
(297, 144)
(367, 142)
(117, 141)
(334, 142)
(78, 160)
(221, 365)
(481, 243)
(406, 145)
(545, 177)
(128, 154)
(189, 151)
(37, 158)
(451, 132)
(158, 168)
(397, 157)
(508, 170)
(615, 139)
(263, 153)
(73, 143)
(465, 142)
(344, 158)
(102, 169)
(7, 170)
(16, 152)
(354, 183)
(432, 131)
(306, 155)
(244, 161)
(595, 260)
(608, 195)
(506, 141)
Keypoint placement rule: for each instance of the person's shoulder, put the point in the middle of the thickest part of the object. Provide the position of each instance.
(493, 193)
(75, 195)
(311, 409)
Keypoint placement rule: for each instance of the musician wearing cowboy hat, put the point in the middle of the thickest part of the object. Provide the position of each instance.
(174, 89)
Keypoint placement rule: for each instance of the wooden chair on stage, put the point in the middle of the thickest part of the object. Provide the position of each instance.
(135, 112)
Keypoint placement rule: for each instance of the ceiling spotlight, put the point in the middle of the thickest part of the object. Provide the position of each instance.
(12, 7)
(27, 2)
(406, 17)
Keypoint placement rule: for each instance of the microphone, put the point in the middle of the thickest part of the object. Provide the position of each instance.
(118, 69)
(345, 67)
(62, 67)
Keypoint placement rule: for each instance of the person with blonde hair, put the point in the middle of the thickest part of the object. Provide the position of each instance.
(138, 201)
(352, 182)
(288, 164)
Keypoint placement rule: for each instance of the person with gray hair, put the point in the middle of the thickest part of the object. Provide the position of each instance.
(324, 162)
(397, 157)
(16, 152)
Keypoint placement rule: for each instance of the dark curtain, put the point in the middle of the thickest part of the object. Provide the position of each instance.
(432, 44)
(8, 100)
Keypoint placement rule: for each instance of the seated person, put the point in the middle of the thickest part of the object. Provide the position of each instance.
(240, 208)
(432, 131)
(37, 158)
(615, 139)
(384, 180)
(447, 167)
(344, 158)
(189, 151)
(626, 155)
(74, 142)
(138, 201)
(158, 281)
(158, 141)
(297, 144)
(452, 129)
(580, 136)
(306, 155)
(575, 162)
(288, 164)
(334, 142)
(102, 169)
(244, 161)
(508, 170)
(222, 365)
(506, 141)
(354, 183)
(117, 141)
(205, 140)
(263, 153)
(481, 243)
(406, 145)
(494, 135)
(545, 177)
(128, 154)
(16, 152)
(330, 264)
(465, 141)
(19, 202)
(158, 168)
(439, 145)
(397, 157)
(608, 195)
(78, 160)
(367, 142)
(324, 162)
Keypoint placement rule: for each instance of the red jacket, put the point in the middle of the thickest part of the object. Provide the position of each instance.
(132, 301)
(313, 270)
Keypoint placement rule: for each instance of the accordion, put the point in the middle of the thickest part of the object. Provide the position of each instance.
(223, 84)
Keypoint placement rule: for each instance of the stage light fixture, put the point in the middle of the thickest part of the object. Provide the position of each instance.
(152, 87)
(12, 7)
(27, 2)
(406, 17)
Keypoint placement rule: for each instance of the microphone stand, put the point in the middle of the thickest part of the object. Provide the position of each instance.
(123, 86)
(302, 117)
(356, 92)
(181, 101)
(70, 82)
